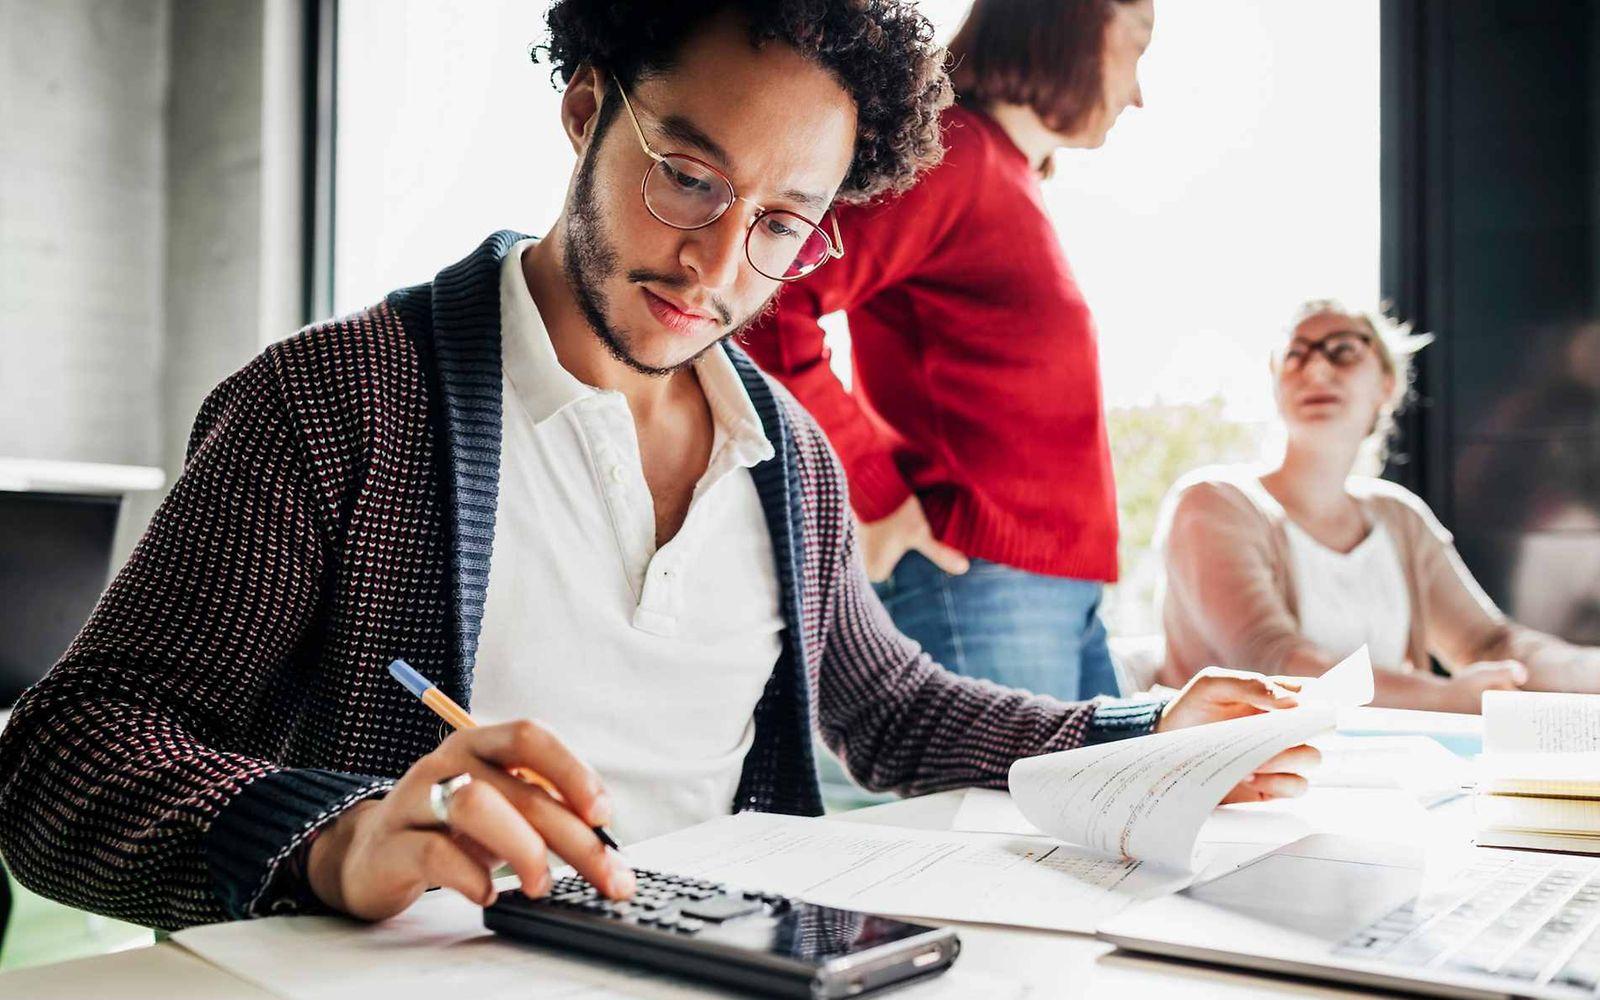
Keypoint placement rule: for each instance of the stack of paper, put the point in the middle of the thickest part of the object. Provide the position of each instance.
(1539, 776)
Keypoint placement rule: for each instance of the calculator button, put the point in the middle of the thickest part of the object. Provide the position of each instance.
(688, 925)
(718, 908)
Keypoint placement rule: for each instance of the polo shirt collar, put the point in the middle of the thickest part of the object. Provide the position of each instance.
(545, 388)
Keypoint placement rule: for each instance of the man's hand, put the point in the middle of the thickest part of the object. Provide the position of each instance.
(885, 542)
(1214, 695)
(380, 855)
(1463, 692)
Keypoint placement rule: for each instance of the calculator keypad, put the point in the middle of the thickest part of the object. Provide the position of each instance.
(674, 903)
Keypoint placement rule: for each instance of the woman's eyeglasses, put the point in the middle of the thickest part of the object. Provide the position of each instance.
(1342, 349)
(686, 193)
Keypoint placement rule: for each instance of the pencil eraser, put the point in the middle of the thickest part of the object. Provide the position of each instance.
(407, 675)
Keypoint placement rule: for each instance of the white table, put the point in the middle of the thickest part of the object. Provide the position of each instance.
(1059, 965)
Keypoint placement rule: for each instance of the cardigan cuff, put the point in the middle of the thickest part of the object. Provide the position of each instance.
(256, 832)
(1120, 718)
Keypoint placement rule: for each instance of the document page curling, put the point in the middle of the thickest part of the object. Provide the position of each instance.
(1147, 798)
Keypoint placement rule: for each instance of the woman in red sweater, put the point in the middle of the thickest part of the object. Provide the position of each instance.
(974, 437)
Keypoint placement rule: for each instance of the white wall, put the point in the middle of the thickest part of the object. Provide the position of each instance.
(82, 233)
(149, 219)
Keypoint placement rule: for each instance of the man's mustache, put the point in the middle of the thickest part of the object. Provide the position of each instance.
(677, 281)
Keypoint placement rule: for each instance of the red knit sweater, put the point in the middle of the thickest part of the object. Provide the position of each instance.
(977, 381)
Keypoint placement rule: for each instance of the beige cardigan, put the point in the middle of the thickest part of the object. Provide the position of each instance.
(1229, 598)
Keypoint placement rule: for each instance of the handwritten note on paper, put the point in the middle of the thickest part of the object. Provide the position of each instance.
(1540, 722)
(982, 878)
(1148, 798)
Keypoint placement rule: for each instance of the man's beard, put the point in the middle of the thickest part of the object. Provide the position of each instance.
(590, 259)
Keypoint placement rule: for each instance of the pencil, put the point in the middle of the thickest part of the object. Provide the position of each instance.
(457, 717)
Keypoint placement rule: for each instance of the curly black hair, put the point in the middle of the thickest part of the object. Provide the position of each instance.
(881, 51)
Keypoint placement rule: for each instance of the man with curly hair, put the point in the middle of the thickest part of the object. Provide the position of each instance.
(546, 480)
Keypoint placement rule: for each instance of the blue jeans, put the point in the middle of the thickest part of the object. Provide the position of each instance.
(1020, 629)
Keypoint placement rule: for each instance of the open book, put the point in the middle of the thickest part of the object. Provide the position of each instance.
(1147, 798)
(1539, 776)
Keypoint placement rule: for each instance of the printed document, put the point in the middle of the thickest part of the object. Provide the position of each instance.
(982, 878)
(1147, 799)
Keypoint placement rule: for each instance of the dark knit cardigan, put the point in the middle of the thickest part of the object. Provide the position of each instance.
(229, 695)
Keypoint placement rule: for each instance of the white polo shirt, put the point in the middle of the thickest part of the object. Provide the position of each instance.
(647, 662)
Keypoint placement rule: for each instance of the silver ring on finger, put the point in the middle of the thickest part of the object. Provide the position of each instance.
(440, 793)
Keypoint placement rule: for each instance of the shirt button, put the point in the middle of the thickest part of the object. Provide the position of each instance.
(616, 474)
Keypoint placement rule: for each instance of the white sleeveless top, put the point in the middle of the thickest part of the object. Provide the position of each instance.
(1349, 599)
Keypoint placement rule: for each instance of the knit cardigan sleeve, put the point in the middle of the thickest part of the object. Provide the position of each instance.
(127, 761)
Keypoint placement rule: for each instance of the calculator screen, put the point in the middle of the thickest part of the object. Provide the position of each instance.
(812, 933)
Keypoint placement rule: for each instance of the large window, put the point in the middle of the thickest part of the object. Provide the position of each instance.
(1248, 183)
(446, 132)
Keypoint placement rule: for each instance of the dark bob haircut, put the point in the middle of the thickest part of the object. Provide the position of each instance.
(1045, 54)
(882, 53)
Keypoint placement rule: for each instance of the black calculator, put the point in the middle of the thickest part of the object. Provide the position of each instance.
(759, 941)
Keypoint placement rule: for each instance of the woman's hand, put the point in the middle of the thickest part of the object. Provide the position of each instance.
(885, 542)
(1216, 695)
(1463, 692)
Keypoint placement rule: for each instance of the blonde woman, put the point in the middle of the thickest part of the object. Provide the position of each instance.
(1289, 570)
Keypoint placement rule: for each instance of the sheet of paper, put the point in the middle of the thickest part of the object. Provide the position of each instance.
(1538, 814)
(437, 948)
(440, 949)
(981, 878)
(1148, 798)
(1383, 814)
(1415, 764)
(1540, 721)
(1546, 773)
(1366, 720)
(1346, 684)
(1235, 834)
